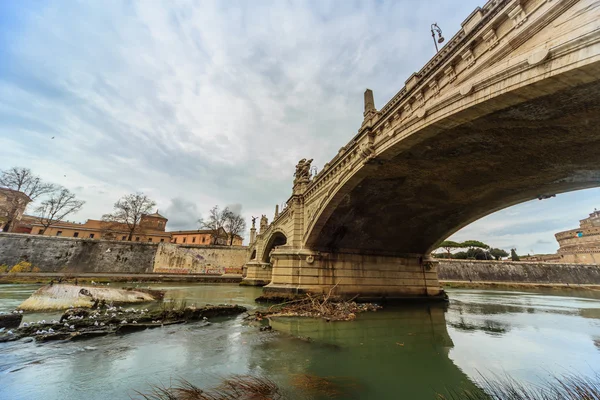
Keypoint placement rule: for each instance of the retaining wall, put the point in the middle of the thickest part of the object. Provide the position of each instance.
(518, 272)
(62, 254)
(181, 259)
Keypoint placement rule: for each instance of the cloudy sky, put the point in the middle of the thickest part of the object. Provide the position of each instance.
(198, 103)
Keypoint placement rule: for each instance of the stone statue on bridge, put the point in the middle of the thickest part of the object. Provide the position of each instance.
(264, 223)
(302, 171)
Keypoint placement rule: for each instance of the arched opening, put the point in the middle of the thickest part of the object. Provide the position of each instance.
(438, 180)
(277, 239)
(253, 255)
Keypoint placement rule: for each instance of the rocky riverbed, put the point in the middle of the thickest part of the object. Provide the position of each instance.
(80, 323)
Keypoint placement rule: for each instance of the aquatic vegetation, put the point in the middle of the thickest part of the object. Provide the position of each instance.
(234, 387)
(564, 387)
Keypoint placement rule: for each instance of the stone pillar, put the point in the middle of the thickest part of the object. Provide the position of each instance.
(276, 211)
(369, 102)
(257, 273)
(367, 276)
(252, 235)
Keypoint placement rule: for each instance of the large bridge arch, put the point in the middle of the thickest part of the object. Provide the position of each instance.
(418, 192)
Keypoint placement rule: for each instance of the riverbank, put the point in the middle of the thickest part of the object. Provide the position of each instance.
(46, 277)
(514, 285)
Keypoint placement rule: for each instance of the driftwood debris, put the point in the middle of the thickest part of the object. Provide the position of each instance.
(326, 306)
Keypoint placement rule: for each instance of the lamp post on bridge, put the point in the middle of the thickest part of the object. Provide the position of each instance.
(436, 29)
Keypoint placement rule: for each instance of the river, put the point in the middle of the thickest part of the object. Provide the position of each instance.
(410, 352)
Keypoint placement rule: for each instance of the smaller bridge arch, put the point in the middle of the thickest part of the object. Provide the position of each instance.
(277, 238)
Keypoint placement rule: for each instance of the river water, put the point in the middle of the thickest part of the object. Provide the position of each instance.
(410, 352)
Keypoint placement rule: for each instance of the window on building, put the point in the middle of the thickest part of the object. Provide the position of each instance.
(162, 240)
(59, 233)
(123, 237)
(149, 239)
(174, 240)
(137, 238)
(41, 232)
(91, 235)
(194, 239)
(76, 234)
(184, 240)
(203, 239)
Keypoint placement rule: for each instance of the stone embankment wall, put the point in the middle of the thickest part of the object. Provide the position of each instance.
(180, 259)
(62, 254)
(518, 272)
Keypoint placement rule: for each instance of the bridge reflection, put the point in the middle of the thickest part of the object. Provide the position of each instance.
(393, 353)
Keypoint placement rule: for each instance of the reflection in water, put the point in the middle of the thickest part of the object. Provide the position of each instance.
(401, 352)
(524, 334)
(390, 353)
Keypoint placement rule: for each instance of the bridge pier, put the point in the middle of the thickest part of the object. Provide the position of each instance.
(370, 277)
(257, 273)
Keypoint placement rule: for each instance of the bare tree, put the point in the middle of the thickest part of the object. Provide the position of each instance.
(129, 210)
(23, 180)
(60, 204)
(215, 223)
(234, 225)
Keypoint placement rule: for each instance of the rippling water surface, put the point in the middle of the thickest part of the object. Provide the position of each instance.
(407, 352)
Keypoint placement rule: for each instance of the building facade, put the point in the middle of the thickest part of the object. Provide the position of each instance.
(204, 237)
(12, 207)
(150, 229)
(581, 245)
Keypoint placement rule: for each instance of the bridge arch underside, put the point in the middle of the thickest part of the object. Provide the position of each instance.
(438, 180)
(276, 239)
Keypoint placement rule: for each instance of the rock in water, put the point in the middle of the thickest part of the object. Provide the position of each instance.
(10, 320)
(61, 296)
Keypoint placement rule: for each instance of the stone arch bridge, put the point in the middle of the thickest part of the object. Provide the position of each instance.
(507, 111)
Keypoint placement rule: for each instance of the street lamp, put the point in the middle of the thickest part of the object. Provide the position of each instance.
(436, 29)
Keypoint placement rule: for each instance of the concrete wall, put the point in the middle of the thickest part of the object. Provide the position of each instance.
(518, 272)
(171, 258)
(61, 254)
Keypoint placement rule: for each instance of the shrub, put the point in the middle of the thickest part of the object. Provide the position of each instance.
(21, 266)
(4, 268)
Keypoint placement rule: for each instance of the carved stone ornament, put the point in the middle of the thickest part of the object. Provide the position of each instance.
(302, 171)
(434, 87)
(469, 57)
(310, 259)
(450, 72)
(538, 56)
(517, 14)
(367, 151)
(490, 38)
